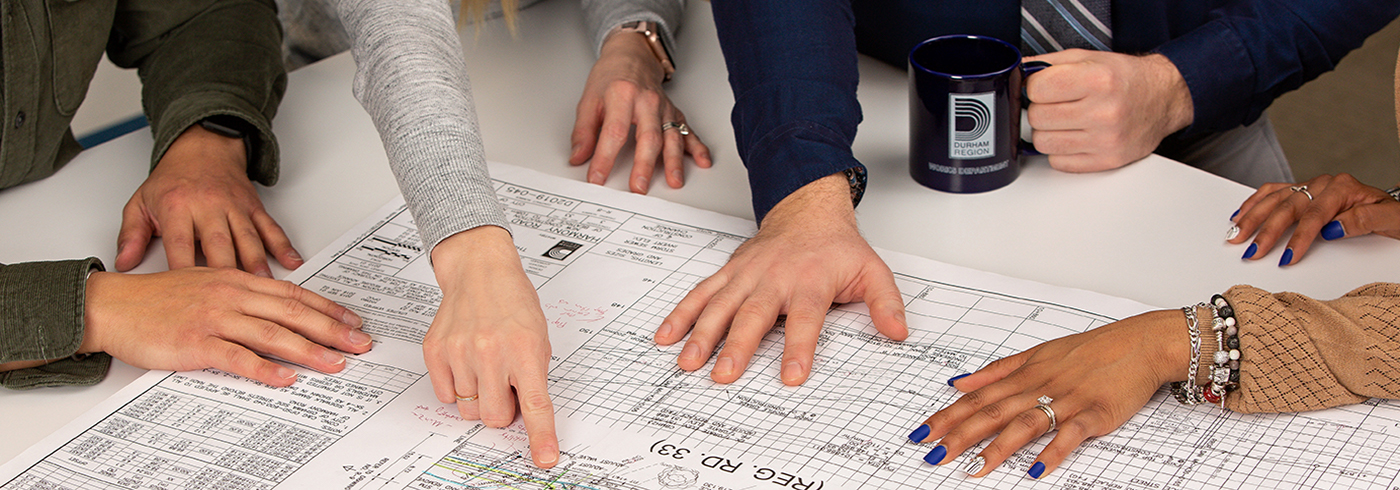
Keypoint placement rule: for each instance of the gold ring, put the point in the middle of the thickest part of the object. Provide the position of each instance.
(472, 398)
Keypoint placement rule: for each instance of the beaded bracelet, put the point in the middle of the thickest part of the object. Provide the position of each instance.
(1225, 370)
(1187, 392)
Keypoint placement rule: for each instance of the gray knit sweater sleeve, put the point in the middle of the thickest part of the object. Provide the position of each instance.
(602, 15)
(411, 78)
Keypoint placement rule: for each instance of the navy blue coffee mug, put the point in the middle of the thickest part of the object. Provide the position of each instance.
(965, 98)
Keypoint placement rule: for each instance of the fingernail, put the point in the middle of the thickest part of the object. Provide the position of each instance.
(641, 184)
(595, 178)
(1287, 257)
(975, 466)
(573, 151)
(936, 455)
(351, 319)
(1333, 231)
(691, 352)
(286, 373)
(958, 377)
(724, 366)
(294, 255)
(1236, 213)
(263, 273)
(359, 338)
(792, 371)
(919, 434)
(549, 458)
(1036, 470)
(333, 358)
(664, 332)
(1233, 232)
(1249, 252)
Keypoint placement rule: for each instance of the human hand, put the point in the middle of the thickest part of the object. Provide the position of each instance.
(624, 89)
(807, 254)
(1097, 110)
(488, 348)
(200, 192)
(196, 318)
(1340, 207)
(1097, 380)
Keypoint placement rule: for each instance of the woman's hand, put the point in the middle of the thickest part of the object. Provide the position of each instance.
(1098, 379)
(1339, 206)
(195, 318)
(623, 90)
(488, 348)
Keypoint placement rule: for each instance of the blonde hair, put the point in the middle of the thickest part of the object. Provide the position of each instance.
(477, 10)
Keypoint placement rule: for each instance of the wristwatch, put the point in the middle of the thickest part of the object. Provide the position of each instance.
(231, 126)
(652, 33)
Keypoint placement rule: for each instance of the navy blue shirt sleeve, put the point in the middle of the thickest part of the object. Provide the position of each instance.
(1249, 52)
(792, 66)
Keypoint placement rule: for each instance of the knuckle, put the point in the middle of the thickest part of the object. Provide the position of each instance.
(994, 411)
(536, 402)
(1028, 421)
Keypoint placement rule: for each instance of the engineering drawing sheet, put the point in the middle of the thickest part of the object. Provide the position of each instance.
(608, 267)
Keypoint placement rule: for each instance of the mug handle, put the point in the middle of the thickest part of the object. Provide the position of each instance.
(1029, 68)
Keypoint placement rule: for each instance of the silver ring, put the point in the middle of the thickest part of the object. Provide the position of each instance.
(1044, 406)
(1303, 189)
(679, 126)
(472, 398)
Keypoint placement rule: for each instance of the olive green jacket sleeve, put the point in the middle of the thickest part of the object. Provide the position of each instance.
(199, 58)
(43, 319)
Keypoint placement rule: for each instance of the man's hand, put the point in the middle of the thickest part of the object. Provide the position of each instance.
(488, 348)
(624, 89)
(197, 318)
(807, 254)
(1096, 110)
(200, 192)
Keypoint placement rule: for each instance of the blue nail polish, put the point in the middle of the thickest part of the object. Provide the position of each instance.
(919, 434)
(1232, 216)
(1037, 470)
(1287, 257)
(936, 455)
(1253, 248)
(958, 377)
(1333, 231)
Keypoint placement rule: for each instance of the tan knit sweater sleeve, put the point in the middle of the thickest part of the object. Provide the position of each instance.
(1298, 353)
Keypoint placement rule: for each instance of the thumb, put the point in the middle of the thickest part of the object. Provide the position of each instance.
(133, 238)
(1381, 218)
(886, 305)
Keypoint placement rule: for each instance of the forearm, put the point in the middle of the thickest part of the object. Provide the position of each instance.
(412, 80)
(1297, 353)
(793, 72)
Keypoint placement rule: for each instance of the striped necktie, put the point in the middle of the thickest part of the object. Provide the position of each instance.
(1055, 25)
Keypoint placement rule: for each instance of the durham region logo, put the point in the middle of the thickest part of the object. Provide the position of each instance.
(971, 133)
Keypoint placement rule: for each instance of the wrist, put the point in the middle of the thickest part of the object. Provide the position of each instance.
(1178, 108)
(94, 290)
(653, 45)
(483, 252)
(824, 201)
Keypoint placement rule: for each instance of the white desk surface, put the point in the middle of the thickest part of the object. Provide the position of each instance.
(1152, 231)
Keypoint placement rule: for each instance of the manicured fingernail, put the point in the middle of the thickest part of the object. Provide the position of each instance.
(936, 455)
(286, 373)
(919, 434)
(1236, 213)
(724, 366)
(792, 372)
(1287, 257)
(1233, 232)
(665, 331)
(351, 319)
(1333, 231)
(333, 358)
(1036, 470)
(1249, 252)
(691, 352)
(975, 466)
(958, 377)
(359, 338)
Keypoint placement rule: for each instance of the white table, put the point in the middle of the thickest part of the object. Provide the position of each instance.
(1152, 231)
